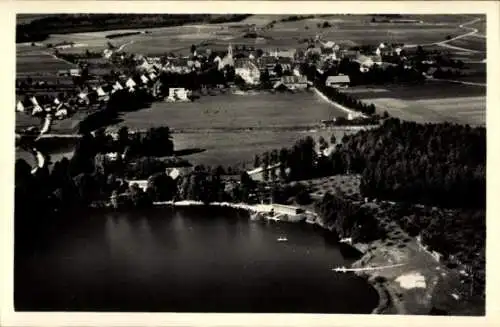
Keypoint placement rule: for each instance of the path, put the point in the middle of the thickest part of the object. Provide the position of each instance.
(124, 45)
(472, 32)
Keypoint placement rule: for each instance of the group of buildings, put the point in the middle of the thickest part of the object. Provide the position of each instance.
(280, 66)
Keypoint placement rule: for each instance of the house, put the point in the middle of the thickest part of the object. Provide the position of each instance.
(117, 86)
(278, 53)
(144, 79)
(23, 105)
(338, 81)
(62, 111)
(267, 63)
(294, 82)
(63, 72)
(75, 72)
(176, 172)
(176, 94)
(143, 184)
(131, 84)
(286, 209)
(247, 70)
(107, 53)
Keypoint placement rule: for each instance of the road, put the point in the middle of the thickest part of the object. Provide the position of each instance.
(471, 32)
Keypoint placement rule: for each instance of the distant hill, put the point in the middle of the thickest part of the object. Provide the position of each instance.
(32, 28)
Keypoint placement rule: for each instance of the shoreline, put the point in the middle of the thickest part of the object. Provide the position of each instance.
(387, 299)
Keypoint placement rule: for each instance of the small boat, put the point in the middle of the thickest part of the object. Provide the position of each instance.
(282, 239)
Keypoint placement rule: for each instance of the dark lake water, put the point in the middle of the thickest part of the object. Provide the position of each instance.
(187, 260)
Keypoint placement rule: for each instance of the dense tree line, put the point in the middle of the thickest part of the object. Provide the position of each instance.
(439, 164)
(346, 99)
(348, 219)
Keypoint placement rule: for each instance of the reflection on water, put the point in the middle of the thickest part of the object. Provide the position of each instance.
(188, 260)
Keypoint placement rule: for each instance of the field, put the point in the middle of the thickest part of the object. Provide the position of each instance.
(32, 61)
(233, 128)
(472, 42)
(347, 29)
(431, 102)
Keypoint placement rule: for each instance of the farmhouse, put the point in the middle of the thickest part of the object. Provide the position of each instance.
(338, 81)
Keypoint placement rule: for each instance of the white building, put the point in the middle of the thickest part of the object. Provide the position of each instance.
(177, 94)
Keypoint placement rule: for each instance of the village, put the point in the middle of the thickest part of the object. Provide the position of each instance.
(240, 69)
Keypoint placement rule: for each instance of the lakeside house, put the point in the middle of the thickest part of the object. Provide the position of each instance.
(338, 81)
(286, 209)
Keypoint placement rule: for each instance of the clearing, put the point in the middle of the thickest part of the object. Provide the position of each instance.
(430, 102)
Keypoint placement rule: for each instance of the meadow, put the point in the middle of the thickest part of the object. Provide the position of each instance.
(233, 128)
(430, 102)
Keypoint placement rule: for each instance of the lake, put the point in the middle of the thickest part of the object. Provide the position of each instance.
(186, 260)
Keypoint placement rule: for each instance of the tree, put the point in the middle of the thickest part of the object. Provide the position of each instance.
(123, 138)
(256, 161)
(333, 140)
(323, 145)
(163, 186)
(265, 165)
(278, 69)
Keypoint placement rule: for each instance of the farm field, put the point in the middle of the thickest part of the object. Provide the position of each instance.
(233, 128)
(455, 103)
(35, 61)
